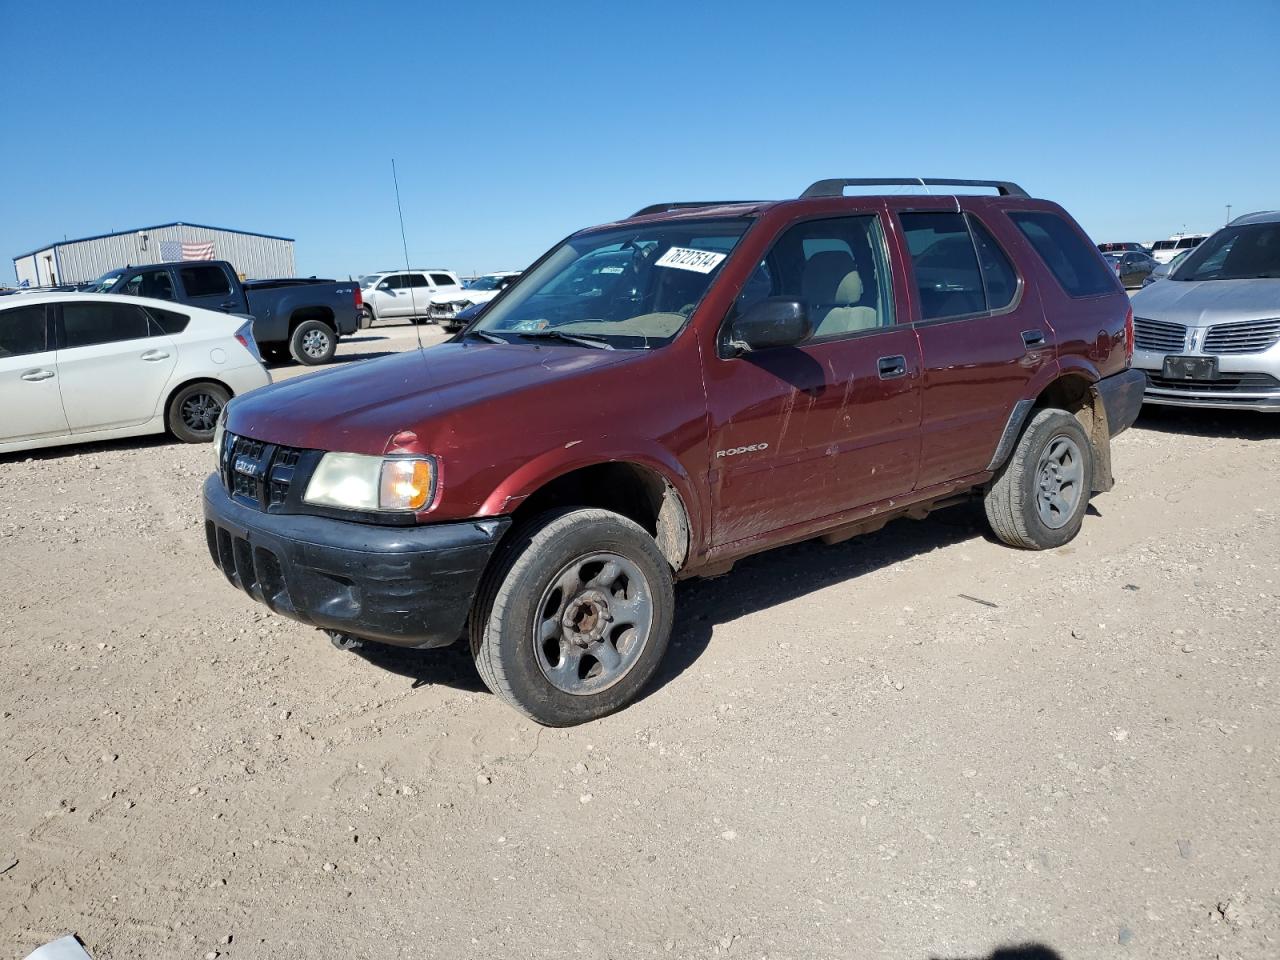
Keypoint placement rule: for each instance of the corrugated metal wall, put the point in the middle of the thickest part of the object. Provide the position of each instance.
(252, 256)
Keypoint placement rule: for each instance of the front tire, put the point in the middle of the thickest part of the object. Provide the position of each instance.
(194, 410)
(1039, 498)
(313, 342)
(573, 617)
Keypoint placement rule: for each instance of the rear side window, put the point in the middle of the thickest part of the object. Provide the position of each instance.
(443, 280)
(1187, 243)
(1075, 263)
(204, 281)
(86, 324)
(948, 278)
(22, 331)
(168, 321)
(418, 280)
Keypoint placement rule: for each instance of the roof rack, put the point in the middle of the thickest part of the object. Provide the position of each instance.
(667, 207)
(835, 187)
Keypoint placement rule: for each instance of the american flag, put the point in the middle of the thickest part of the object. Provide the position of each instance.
(171, 250)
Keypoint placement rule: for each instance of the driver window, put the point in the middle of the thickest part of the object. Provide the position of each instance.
(836, 267)
(149, 283)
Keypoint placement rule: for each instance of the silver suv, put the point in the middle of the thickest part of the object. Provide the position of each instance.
(1209, 335)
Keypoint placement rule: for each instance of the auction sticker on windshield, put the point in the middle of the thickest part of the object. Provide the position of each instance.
(683, 258)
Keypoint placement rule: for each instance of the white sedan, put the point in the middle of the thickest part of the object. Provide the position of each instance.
(76, 367)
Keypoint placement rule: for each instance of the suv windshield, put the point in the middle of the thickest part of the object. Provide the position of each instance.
(1249, 252)
(632, 287)
(486, 283)
(370, 279)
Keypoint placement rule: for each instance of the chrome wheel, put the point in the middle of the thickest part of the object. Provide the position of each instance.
(315, 343)
(200, 412)
(1059, 482)
(592, 623)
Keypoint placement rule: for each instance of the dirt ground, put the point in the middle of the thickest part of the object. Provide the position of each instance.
(919, 744)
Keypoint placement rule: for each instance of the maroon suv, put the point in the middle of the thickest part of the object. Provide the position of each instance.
(658, 397)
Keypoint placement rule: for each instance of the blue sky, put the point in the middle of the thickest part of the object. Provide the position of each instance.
(513, 125)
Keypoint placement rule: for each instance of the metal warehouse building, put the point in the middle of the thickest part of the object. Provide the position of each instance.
(74, 261)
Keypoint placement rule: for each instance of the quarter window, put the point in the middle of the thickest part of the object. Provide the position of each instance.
(86, 324)
(443, 280)
(22, 331)
(836, 267)
(168, 321)
(1079, 269)
(999, 280)
(205, 281)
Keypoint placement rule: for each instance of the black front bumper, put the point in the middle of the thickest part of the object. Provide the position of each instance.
(409, 586)
(1122, 397)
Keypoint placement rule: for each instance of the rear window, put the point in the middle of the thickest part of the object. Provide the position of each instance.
(1075, 263)
(204, 281)
(1186, 243)
(443, 280)
(1162, 245)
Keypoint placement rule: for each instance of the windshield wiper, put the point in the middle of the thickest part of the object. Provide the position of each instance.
(581, 339)
(486, 336)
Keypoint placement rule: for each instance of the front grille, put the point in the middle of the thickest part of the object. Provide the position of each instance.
(259, 474)
(1254, 336)
(1226, 383)
(1158, 335)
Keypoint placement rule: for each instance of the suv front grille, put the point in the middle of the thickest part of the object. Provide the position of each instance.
(258, 474)
(1158, 335)
(1226, 383)
(1254, 336)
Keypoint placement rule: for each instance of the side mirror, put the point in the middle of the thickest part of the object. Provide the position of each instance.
(775, 322)
(385, 285)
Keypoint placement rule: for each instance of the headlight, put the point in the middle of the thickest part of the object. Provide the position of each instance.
(354, 481)
(219, 430)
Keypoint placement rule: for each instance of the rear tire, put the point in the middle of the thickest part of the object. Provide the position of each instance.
(1039, 498)
(313, 342)
(573, 616)
(194, 411)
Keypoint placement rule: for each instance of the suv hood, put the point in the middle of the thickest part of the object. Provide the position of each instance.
(358, 408)
(1203, 303)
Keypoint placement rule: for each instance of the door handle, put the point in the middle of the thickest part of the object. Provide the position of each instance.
(891, 367)
(153, 355)
(35, 376)
(228, 306)
(1032, 339)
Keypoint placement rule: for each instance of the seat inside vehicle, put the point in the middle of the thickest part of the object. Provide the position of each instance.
(832, 288)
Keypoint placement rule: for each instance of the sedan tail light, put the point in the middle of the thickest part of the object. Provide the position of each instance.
(244, 336)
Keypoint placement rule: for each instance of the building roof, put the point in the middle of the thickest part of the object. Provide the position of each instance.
(158, 226)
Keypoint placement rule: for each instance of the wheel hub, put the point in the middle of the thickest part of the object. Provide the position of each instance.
(1059, 482)
(593, 622)
(586, 618)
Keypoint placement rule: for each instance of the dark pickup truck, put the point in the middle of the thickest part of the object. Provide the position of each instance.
(659, 397)
(298, 317)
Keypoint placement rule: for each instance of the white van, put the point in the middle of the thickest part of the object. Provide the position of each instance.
(1165, 250)
(404, 293)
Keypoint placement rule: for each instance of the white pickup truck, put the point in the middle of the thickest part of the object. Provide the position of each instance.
(406, 294)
